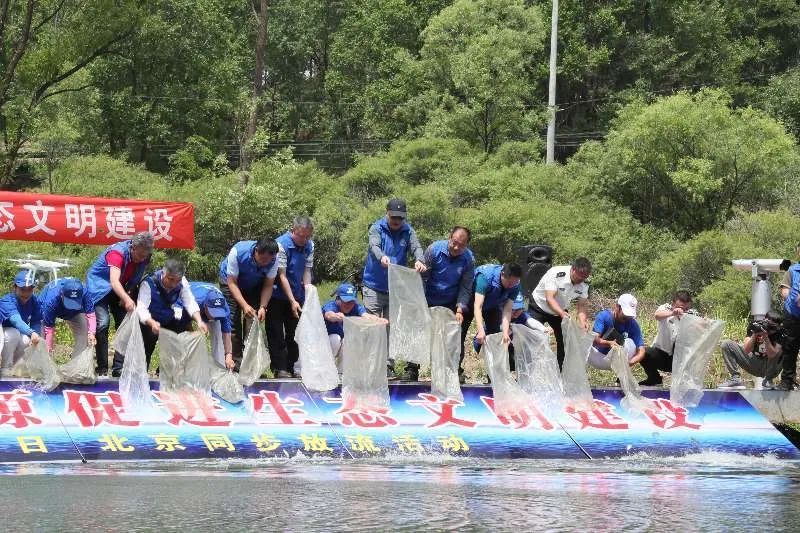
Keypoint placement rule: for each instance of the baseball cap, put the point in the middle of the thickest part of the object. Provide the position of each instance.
(346, 292)
(25, 278)
(72, 294)
(628, 303)
(215, 304)
(519, 302)
(396, 208)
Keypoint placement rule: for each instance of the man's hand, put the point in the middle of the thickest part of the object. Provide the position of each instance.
(129, 304)
(262, 314)
(249, 312)
(385, 261)
(459, 315)
(229, 364)
(564, 315)
(420, 267)
(506, 338)
(296, 308)
(35, 338)
(92, 339)
(677, 312)
(202, 327)
(337, 317)
(155, 327)
(480, 336)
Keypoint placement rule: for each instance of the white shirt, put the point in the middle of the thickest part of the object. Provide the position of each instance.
(232, 266)
(667, 330)
(143, 301)
(558, 279)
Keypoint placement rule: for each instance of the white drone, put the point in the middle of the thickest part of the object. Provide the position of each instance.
(51, 268)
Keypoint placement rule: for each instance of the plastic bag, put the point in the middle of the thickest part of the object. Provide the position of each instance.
(694, 343)
(633, 401)
(445, 354)
(226, 385)
(573, 375)
(80, 369)
(364, 382)
(316, 359)
(255, 358)
(37, 364)
(509, 398)
(409, 317)
(185, 362)
(537, 369)
(134, 383)
(217, 344)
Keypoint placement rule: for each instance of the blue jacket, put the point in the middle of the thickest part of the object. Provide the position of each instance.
(53, 307)
(790, 304)
(337, 328)
(394, 244)
(251, 275)
(203, 292)
(26, 318)
(296, 259)
(445, 275)
(495, 295)
(162, 300)
(97, 278)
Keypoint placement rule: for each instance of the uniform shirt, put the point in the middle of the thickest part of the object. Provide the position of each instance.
(203, 293)
(295, 260)
(242, 255)
(27, 318)
(488, 283)
(396, 244)
(667, 329)
(52, 304)
(557, 279)
(337, 328)
(448, 279)
(185, 300)
(604, 322)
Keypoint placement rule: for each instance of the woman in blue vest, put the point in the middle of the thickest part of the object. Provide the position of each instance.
(165, 300)
(111, 283)
(214, 309)
(246, 279)
(21, 319)
(66, 299)
(295, 261)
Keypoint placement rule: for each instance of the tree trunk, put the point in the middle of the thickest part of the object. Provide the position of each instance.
(259, 78)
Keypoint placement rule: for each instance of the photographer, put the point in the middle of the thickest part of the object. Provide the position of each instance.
(760, 355)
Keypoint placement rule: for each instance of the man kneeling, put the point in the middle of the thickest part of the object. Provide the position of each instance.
(760, 355)
(617, 325)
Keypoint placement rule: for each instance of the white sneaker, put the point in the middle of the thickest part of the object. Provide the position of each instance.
(734, 383)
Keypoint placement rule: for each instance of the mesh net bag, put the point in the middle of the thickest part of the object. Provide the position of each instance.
(409, 317)
(217, 344)
(79, 369)
(364, 382)
(226, 385)
(255, 357)
(445, 354)
(509, 398)
(316, 359)
(633, 401)
(573, 374)
(134, 383)
(694, 343)
(537, 369)
(185, 363)
(37, 364)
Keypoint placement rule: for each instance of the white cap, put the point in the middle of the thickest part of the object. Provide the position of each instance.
(628, 304)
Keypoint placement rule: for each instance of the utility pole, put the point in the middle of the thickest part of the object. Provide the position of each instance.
(551, 99)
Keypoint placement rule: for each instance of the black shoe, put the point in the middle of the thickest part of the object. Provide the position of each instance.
(462, 378)
(116, 373)
(651, 382)
(390, 375)
(283, 374)
(410, 375)
(786, 385)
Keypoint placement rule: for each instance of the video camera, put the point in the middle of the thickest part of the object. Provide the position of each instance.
(765, 325)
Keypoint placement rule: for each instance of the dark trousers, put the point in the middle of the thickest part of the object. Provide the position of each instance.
(464, 330)
(554, 321)
(107, 308)
(281, 325)
(656, 359)
(791, 326)
(492, 323)
(150, 339)
(252, 297)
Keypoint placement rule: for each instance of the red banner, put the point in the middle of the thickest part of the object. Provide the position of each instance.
(85, 220)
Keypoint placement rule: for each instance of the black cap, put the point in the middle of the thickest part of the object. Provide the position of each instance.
(396, 208)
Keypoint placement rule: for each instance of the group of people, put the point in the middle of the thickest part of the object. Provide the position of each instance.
(266, 280)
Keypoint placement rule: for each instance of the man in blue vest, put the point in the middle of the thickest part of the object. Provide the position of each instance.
(246, 279)
(65, 299)
(165, 301)
(496, 287)
(450, 271)
(111, 283)
(214, 309)
(21, 318)
(295, 261)
(391, 239)
(790, 292)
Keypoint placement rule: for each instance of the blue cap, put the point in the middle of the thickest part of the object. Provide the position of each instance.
(346, 292)
(519, 302)
(25, 278)
(72, 294)
(215, 305)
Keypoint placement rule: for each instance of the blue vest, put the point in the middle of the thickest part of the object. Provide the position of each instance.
(53, 307)
(97, 278)
(295, 267)
(337, 328)
(162, 300)
(496, 294)
(790, 305)
(445, 274)
(30, 313)
(394, 244)
(203, 292)
(251, 275)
